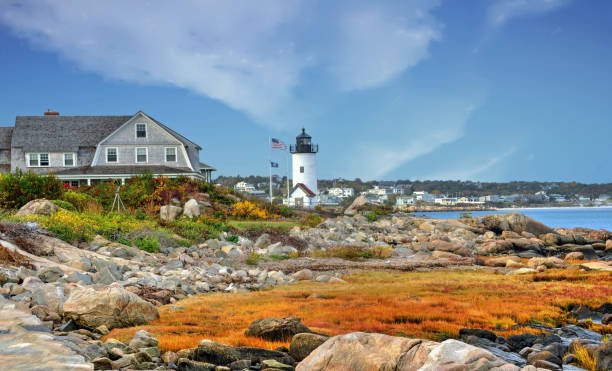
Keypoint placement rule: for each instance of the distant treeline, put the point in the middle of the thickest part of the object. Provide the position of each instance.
(463, 188)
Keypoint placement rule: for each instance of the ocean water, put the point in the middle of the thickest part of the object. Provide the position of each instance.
(554, 217)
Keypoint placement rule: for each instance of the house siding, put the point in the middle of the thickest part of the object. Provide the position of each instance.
(156, 142)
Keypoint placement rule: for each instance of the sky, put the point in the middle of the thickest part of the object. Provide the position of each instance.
(482, 90)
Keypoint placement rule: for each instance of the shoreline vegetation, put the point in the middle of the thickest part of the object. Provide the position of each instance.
(194, 266)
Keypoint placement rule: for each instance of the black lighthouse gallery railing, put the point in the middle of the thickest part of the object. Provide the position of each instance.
(304, 148)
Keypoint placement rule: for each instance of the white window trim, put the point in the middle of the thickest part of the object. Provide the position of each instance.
(106, 155)
(136, 155)
(74, 162)
(38, 159)
(175, 154)
(136, 130)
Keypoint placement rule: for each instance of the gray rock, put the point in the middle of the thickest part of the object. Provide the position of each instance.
(168, 213)
(303, 344)
(143, 339)
(262, 242)
(191, 209)
(277, 329)
(76, 277)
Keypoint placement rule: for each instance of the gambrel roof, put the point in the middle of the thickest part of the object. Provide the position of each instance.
(6, 134)
(63, 133)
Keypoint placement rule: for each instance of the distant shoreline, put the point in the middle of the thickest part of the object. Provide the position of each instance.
(515, 208)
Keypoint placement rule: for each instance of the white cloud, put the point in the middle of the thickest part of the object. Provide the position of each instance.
(251, 55)
(501, 11)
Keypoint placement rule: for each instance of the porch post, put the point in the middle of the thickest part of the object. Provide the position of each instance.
(88, 181)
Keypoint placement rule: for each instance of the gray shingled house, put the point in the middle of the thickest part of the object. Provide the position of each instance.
(82, 149)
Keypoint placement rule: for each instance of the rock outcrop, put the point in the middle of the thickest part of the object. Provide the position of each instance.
(277, 329)
(111, 306)
(40, 206)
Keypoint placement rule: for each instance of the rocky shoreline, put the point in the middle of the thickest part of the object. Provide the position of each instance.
(57, 300)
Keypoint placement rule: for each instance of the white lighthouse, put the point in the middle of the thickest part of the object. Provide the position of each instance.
(304, 192)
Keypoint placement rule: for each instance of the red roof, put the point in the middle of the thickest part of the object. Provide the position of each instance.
(304, 188)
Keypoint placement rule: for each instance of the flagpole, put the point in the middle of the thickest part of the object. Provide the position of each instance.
(287, 163)
(270, 165)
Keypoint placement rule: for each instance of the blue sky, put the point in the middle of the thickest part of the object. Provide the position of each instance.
(409, 89)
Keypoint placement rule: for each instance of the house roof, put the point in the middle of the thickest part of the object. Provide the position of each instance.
(304, 188)
(124, 170)
(204, 166)
(63, 133)
(6, 134)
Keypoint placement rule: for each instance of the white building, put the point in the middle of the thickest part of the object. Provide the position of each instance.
(341, 192)
(304, 192)
(404, 201)
(423, 196)
(244, 187)
(446, 201)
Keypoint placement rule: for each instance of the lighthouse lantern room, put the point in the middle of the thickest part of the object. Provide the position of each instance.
(304, 191)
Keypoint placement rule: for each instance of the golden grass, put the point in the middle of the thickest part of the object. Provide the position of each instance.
(584, 359)
(415, 304)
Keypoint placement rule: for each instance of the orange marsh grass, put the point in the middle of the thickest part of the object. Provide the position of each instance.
(415, 304)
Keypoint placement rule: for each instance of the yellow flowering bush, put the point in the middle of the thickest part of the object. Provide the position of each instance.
(248, 210)
(73, 226)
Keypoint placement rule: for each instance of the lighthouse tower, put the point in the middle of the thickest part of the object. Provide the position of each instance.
(304, 192)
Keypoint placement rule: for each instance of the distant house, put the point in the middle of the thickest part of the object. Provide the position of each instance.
(244, 187)
(423, 196)
(341, 192)
(84, 149)
(446, 201)
(490, 198)
(404, 200)
(329, 200)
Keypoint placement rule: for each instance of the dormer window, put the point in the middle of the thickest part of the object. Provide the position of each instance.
(141, 130)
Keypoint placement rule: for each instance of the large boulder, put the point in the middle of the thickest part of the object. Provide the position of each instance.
(377, 352)
(40, 206)
(276, 329)
(191, 209)
(514, 222)
(367, 352)
(168, 213)
(353, 208)
(111, 306)
(303, 344)
(49, 295)
(603, 356)
(220, 354)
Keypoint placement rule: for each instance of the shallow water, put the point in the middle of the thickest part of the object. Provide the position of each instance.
(559, 217)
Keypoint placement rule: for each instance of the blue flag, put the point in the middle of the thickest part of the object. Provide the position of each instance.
(273, 164)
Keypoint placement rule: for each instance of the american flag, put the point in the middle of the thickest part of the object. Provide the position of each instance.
(278, 144)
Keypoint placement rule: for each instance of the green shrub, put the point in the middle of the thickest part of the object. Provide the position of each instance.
(148, 244)
(372, 216)
(78, 199)
(199, 229)
(233, 239)
(64, 204)
(313, 220)
(18, 188)
(253, 259)
(278, 257)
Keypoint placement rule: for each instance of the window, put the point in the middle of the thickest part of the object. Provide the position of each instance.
(74, 183)
(141, 154)
(68, 159)
(171, 154)
(141, 130)
(111, 155)
(38, 159)
(302, 169)
(33, 159)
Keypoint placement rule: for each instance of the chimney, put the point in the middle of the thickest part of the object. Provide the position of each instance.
(51, 113)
